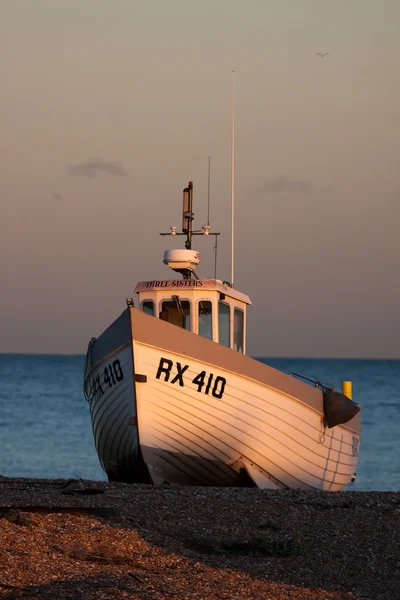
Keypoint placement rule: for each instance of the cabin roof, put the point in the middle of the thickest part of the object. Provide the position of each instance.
(203, 285)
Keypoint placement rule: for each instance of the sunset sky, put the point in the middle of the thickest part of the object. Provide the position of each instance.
(109, 107)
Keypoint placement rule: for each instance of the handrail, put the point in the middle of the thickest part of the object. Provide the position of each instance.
(315, 382)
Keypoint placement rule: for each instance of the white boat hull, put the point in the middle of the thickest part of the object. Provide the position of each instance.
(277, 436)
(191, 412)
(110, 391)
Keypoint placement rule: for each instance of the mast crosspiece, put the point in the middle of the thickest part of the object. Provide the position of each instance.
(187, 230)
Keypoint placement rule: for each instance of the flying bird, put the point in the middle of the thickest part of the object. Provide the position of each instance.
(321, 54)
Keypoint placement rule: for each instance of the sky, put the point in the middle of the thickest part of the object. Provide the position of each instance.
(108, 109)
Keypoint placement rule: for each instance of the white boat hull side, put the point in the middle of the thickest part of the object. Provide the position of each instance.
(190, 436)
(109, 385)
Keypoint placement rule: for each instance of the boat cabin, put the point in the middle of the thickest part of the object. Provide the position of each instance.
(208, 307)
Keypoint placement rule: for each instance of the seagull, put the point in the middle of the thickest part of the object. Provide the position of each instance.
(322, 54)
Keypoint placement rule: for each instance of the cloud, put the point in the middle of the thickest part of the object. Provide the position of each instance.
(283, 183)
(91, 167)
(57, 196)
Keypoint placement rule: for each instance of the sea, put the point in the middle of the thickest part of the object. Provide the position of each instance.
(45, 429)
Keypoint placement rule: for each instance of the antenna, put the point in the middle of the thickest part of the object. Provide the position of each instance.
(233, 180)
(209, 187)
(208, 218)
(215, 257)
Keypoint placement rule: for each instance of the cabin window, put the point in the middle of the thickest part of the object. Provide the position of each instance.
(238, 326)
(177, 312)
(205, 319)
(224, 321)
(148, 307)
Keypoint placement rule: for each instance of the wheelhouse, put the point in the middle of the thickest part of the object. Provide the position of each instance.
(209, 308)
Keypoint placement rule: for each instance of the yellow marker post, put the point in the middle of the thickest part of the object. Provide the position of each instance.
(347, 389)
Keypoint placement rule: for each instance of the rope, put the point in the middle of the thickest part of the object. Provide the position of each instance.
(88, 366)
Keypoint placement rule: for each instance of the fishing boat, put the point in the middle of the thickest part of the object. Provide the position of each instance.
(174, 398)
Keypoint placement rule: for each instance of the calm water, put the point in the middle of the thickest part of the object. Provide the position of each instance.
(45, 426)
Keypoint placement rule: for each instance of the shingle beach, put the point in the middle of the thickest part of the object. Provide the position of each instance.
(83, 539)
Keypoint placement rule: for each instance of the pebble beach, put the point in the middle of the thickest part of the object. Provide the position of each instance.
(85, 539)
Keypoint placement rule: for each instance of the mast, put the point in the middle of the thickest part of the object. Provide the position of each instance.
(233, 182)
(188, 216)
(184, 261)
